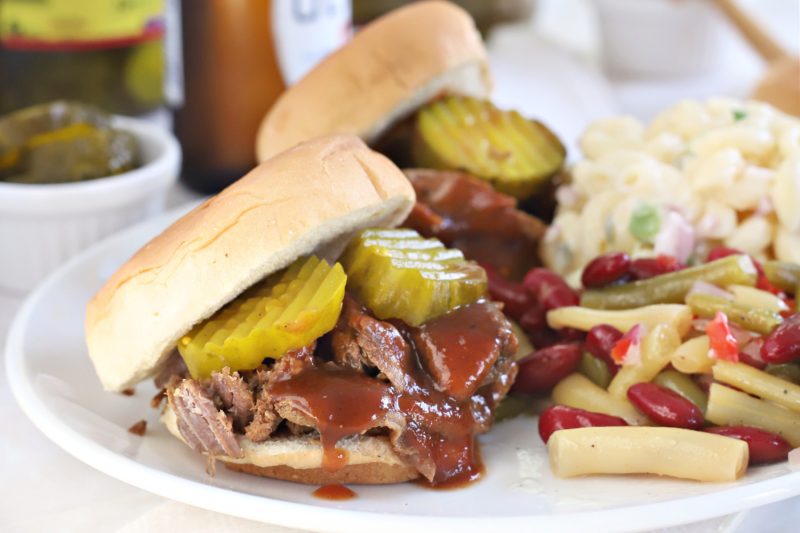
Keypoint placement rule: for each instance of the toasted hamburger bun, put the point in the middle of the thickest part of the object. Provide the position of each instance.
(387, 71)
(370, 459)
(311, 198)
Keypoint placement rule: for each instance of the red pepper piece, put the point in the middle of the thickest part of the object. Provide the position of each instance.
(722, 343)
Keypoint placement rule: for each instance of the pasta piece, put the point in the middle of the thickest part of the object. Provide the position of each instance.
(674, 452)
(752, 236)
(692, 356)
(728, 407)
(576, 390)
(754, 381)
(787, 246)
(785, 193)
(678, 316)
(657, 348)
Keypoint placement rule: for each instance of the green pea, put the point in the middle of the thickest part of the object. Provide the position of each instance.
(595, 369)
(645, 223)
(683, 385)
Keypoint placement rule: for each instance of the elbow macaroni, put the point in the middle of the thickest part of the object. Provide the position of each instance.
(730, 169)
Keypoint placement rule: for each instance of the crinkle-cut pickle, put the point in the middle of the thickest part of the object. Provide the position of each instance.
(515, 154)
(398, 274)
(288, 310)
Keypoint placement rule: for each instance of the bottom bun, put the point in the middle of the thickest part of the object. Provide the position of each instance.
(371, 460)
(363, 474)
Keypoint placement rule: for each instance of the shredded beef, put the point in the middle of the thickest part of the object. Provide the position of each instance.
(139, 428)
(204, 427)
(265, 419)
(459, 350)
(234, 395)
(446, 377)
(359, 341)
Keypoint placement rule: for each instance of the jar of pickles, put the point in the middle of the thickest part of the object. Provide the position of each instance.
(109, 53)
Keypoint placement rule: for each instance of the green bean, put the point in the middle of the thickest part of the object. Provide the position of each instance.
(751, 318)
(672, 287)
(785, 276)
(511, 407)
(595, 369)
(788, 371)
(683, 385)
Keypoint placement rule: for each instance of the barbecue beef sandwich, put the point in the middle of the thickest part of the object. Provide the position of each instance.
(298, 335)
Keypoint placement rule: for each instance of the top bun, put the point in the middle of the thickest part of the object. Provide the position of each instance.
(389, 69)
(311, 198)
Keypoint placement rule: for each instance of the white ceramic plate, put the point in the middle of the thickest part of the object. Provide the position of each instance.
(52, 378)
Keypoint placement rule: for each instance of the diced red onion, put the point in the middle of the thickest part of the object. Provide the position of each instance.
(676, 237)
(702, 287)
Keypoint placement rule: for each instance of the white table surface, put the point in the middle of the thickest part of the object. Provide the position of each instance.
(44, 489)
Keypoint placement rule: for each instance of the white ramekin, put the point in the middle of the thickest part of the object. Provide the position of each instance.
(42, 225)
(665, 38)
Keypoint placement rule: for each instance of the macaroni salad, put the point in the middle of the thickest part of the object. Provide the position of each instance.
(701, 174)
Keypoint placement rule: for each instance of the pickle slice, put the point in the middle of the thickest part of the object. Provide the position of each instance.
(288, 310)
(398, 274)
(515, 154)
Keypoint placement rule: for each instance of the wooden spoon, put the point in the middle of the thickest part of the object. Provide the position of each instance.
(780, 86)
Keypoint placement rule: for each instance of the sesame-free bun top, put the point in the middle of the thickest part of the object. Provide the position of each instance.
(311, 198)
(389, 69)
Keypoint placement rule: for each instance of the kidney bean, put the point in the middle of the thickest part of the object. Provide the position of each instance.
(783, 344)
(664, 406)
(514, 297)
(600, 340)
(605, 269)
(750, 354)
(562, 417)
(651, 267)
(544, 368)
(765, 447)
(549, 289)
(571, 335)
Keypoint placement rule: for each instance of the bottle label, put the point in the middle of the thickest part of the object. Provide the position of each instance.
(305, 31)
(71, 25)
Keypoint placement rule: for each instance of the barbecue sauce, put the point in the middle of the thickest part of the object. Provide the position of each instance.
(465, 346)
(440, 429)
(342, 402)
(334, 492)
(466, 213)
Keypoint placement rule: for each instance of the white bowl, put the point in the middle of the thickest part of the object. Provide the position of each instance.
(665, 38)
(43, 225)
